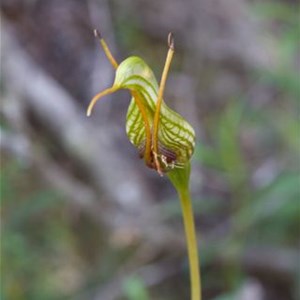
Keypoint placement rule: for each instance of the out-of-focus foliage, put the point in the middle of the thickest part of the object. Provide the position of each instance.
(135, 290)
(34, 236)
(249, 160)
(49, 250)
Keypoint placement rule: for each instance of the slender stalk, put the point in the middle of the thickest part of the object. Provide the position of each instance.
(98, 96)
(190, 232)
(160, 100)
(107, 51)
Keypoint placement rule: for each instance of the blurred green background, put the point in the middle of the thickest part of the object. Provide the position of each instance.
(82, 218)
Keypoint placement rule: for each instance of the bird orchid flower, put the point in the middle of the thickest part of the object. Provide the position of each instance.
(164, 139)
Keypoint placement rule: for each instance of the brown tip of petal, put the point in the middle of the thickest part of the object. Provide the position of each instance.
(171, 41)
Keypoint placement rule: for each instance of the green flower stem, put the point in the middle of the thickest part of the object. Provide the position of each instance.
(180, 179)
(189, 225)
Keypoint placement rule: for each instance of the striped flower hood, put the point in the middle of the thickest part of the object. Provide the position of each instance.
(176, 137)
(163, 138)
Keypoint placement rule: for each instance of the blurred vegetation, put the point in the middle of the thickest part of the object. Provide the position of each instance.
(33, 232)
(51, 250)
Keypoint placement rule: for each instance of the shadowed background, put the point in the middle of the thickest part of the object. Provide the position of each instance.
(82, 217)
